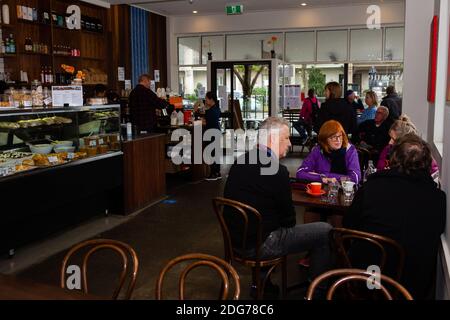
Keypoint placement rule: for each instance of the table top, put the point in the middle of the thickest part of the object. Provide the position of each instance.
(14, 288)
(301, 198)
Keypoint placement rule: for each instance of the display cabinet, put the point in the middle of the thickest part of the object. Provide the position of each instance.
(59, 167)
(36, 139)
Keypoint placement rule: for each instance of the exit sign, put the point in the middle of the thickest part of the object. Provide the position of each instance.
(236, 9)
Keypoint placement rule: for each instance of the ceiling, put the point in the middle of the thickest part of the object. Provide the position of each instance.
(184, 7)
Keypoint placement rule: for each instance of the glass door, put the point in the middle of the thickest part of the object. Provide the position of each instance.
(244, 90)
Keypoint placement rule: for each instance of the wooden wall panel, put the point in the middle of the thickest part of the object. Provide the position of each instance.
(158, 47)
(120, 44)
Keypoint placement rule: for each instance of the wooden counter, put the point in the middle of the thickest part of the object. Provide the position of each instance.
(144, 171)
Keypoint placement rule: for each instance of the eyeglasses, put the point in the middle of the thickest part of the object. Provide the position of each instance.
(336, 137)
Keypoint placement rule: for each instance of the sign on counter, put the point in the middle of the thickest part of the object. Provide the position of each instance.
(67, 95)
(121, 73)
(153, 85)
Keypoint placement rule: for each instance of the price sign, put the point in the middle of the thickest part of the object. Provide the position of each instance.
(92, 143)
(53, 159)
(71, 156)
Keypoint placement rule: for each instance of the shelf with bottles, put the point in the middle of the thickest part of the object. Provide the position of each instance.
(35, 48)
(7, 44)
(33, 15)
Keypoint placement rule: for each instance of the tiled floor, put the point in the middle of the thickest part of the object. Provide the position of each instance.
(164, 231)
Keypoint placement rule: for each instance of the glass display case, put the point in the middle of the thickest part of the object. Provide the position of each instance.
(34, 139)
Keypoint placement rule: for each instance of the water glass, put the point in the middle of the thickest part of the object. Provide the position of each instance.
(349, 189)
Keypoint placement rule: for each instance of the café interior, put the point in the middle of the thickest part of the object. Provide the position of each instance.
(107, 188)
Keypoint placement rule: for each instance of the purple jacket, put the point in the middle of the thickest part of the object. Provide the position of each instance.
(383, 161)
(317, 163)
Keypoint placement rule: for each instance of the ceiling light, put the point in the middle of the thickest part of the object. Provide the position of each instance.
(304, 4)
(195, 11)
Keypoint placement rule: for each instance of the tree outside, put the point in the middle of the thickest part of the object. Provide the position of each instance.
(316, 81)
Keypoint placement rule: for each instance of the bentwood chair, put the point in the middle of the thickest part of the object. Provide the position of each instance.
(130, 263)
(345, 239)
(225, 271)
(347, 276)
(238, 253)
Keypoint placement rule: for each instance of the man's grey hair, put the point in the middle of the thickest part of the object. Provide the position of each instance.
(274, 123)
(144, 77)
(385, 109)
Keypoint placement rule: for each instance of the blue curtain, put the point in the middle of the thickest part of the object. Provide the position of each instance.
(139, 43)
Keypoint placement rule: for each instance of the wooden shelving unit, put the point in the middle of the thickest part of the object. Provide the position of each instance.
(93, 45)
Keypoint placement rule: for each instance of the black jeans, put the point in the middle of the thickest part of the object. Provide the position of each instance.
(311, 237)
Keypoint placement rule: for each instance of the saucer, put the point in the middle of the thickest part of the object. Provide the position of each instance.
(322, 192)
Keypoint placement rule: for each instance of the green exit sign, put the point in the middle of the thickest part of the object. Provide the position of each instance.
(236, 9)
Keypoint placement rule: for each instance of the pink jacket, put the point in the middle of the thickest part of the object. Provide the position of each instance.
(306, 111)
(383, 161)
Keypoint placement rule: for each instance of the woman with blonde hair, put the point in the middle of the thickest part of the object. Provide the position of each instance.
(372, 104)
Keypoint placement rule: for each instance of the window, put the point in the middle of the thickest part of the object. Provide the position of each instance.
(215, 45)
(254, 46)
(366, 45)
(191, 79)
(300, 46)
(189, 51)
(395, 41)
(332, 46)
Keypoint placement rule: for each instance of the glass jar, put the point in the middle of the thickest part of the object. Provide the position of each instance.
(47, 96)
(6, 101)
(27, 99)
(37, 94)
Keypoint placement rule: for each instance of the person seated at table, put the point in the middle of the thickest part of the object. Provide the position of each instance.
(270, 193)
(404, 204)
(371, 110)
(332, 159)
(373, 135)
(398, 130)
(354, 100)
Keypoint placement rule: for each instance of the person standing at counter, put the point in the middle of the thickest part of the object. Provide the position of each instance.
(143, 103)
(212, 118)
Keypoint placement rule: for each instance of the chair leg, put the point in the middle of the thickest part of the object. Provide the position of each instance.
(284, 278)
(256, 275)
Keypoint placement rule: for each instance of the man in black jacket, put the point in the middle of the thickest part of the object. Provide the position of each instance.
(374, 134)
(404, 204)
(143, 103)
(393, 102)
(270, 193)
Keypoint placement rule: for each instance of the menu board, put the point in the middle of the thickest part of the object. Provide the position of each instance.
(67, 95)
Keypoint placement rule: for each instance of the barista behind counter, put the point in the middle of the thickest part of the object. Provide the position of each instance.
(143, 103)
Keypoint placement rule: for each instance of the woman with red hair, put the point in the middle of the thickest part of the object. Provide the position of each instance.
(333, 158)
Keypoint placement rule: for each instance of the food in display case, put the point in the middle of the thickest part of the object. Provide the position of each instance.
(6, 101)
(45, 138)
